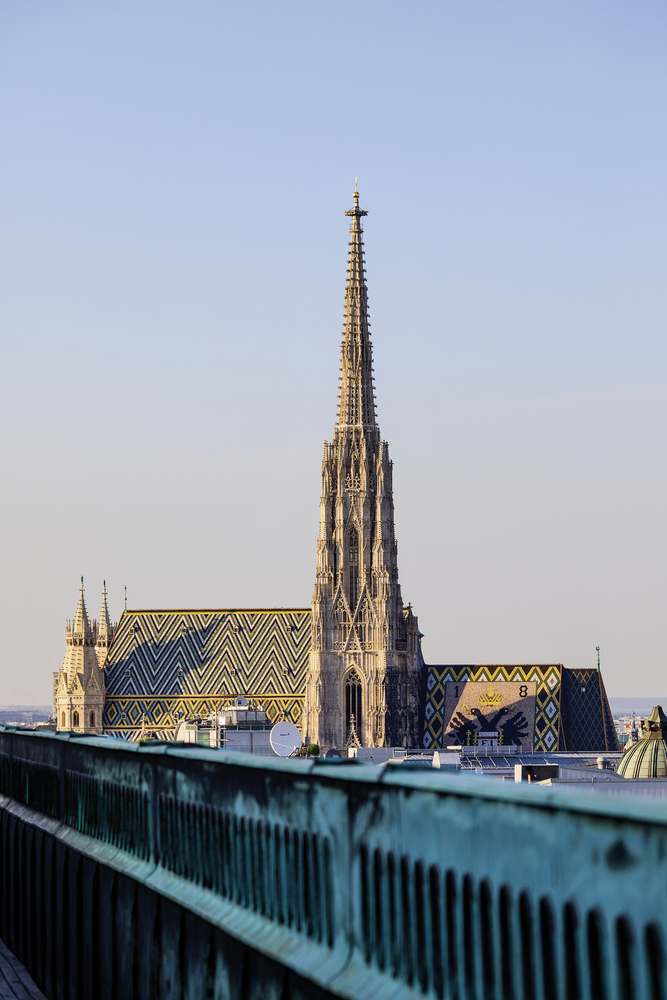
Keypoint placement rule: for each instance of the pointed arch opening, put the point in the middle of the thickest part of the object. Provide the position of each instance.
(92, 720)
(62, 721)
(353, 703)
(353, 560)
(75, 720)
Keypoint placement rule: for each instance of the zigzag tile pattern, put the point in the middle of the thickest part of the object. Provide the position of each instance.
(130, 717)
(163, 665)
(548, 700)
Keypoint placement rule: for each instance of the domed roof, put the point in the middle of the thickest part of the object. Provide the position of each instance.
(648, 757)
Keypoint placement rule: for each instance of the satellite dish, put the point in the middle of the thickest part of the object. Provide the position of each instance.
(285, 738)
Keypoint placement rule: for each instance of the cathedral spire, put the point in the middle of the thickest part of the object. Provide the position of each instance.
(356, 399)
(364, 661)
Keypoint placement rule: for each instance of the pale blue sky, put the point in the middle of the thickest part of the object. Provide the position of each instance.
(173, 178)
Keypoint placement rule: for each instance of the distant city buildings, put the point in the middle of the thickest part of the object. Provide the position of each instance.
(628, 728)
(22, 717)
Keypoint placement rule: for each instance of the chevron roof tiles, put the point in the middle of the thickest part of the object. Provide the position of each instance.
(204, 657)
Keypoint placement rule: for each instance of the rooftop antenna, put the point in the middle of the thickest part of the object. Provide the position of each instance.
(597, 649)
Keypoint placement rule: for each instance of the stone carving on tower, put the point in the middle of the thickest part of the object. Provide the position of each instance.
(362, 683)
(79, 696)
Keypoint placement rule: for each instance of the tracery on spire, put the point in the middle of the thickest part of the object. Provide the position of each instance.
(356, 399)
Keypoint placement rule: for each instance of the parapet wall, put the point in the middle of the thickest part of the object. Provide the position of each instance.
(154, 870)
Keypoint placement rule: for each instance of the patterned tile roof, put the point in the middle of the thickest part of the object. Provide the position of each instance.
(166, 664)
(587, 719)
(547, 677)
(571, 712)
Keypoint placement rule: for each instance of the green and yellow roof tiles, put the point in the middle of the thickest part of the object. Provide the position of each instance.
(547, 677)
(203, 652)
(125, 716)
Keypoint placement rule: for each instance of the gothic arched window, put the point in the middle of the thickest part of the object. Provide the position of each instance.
(75, 720)
(353, 707)
(354, 568)
(62, 724)
(92, 720)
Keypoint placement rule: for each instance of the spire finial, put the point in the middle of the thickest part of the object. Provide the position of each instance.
(356, 212)
(126, 597)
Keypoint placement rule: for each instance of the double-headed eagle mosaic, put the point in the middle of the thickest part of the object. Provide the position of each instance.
(465, 727)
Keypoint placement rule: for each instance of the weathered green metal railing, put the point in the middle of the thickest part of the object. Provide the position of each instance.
(155, 871)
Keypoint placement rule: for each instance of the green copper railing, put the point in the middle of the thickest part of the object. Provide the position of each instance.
(358, 881)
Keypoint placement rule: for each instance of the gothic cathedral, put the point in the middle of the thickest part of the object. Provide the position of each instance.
(349, 669)
(362, 681)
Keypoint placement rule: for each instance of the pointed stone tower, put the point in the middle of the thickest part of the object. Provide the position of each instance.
(362, 675)
(80, 688)
(105, 629)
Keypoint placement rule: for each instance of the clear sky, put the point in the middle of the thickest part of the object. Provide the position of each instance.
(173, 177)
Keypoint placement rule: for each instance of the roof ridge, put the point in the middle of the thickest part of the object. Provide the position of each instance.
(206, 611)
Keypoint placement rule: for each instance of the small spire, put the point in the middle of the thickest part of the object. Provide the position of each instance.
(126, 597)
(105, 622)
(81, 618)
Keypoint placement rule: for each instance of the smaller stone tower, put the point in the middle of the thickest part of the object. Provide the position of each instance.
(80, 689)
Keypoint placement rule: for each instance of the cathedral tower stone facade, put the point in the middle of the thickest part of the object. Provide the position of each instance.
(79, 693)
(362, 682)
